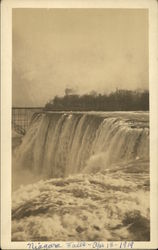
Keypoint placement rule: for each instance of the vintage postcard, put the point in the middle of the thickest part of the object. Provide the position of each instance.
(79, 118)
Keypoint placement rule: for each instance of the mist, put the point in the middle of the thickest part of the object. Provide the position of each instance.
(82, 49)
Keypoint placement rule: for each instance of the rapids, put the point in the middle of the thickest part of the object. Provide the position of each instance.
(87, 177)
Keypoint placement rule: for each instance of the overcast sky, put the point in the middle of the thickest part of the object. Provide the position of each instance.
(84, 49)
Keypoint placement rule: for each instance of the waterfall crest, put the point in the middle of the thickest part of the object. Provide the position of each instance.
(61, 144)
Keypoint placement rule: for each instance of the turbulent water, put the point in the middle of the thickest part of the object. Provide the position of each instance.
(82, 176)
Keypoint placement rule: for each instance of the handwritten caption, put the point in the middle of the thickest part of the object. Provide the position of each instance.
(82, 245)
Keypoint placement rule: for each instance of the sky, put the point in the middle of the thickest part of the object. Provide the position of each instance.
(82, 49)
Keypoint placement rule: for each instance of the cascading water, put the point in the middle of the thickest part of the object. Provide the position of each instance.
(99, 163)
(58, 145)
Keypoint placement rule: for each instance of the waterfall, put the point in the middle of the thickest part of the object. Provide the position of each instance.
(61, 144)
(82, 176)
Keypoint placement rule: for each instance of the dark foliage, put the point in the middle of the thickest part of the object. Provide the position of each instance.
(120, 100)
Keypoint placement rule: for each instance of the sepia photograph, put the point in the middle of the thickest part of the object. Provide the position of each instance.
(80, 126)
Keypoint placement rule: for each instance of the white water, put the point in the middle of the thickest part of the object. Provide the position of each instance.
(57, 145)
(102, 162)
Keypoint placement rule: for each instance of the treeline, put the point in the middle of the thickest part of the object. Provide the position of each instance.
(120, 100)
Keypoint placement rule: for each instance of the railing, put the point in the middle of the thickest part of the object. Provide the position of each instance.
(21, 118)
